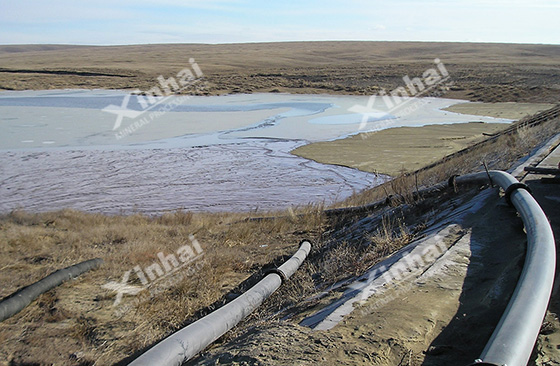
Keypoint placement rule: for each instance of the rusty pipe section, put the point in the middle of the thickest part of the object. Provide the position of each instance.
(187, 342)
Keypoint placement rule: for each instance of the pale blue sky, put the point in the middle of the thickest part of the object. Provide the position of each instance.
(105, 22)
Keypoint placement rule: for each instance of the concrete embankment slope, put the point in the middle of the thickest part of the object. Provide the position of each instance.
(435, 299)
(435, 302)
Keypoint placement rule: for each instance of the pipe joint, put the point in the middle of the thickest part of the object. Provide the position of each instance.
(452, 182)
(513, 187)
(279, 272)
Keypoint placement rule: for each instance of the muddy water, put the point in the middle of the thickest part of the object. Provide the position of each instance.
(257, 176)
(59, 149)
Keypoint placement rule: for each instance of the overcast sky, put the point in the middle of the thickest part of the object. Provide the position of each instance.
(107, 22)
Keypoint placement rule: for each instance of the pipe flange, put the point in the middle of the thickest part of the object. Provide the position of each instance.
(278, 272)
(513, 187)
(389, 200)
(452, 182)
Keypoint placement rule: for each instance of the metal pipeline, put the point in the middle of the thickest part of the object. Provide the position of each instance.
(513, 339)
(20, 299)
(187, 342)
(511, 343)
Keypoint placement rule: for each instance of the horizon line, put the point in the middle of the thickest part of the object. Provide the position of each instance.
(268, 42)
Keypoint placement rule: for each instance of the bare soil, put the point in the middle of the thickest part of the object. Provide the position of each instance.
(396, 150)
(508, 110)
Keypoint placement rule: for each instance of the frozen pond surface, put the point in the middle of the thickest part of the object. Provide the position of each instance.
(59, 149)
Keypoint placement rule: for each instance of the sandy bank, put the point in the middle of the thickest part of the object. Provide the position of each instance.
(507, 110)
(392, 150)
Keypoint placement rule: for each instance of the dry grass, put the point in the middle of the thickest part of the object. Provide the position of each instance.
(80, 312)
(481, 72)
(236, 250)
